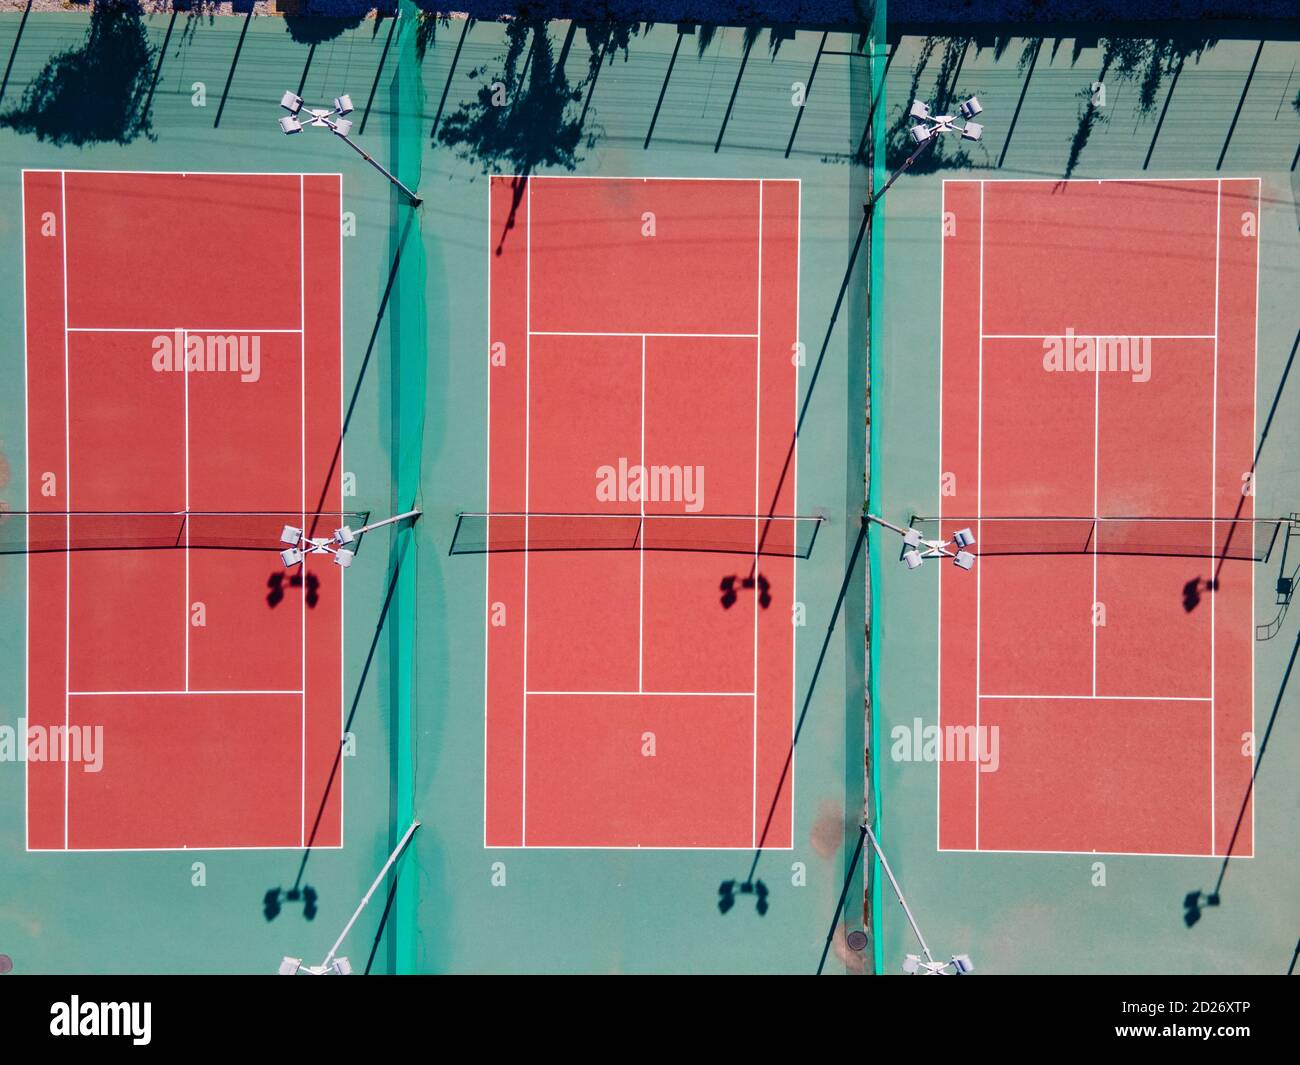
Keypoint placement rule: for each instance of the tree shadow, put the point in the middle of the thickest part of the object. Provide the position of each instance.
(1147, 62)
(427, 24)
(98, 92)
(310, 22)
(524, 116)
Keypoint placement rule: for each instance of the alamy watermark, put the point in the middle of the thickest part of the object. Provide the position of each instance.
(919, 742)
(83, 744)
(1088, 354)
(239, 353)
(631, 483)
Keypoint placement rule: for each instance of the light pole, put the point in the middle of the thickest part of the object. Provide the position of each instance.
(913, 963)
(338, 545)
(927, 131)
(333, 119)
(334, 965)
(916, 548)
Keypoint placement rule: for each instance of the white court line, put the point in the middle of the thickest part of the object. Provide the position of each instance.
(194, 691)
(794, 495)
(645, 691)
(640, 614)
(758, 436)
(343, 702)
(528, 448)
(596, 333)
(67, 494)
(1213, 336)
(1077, 336)
(1096, 489)
(979, 508)
(938, 585)
(302, 484)
(1088, 181)
(1116, 854)
(189, 173)
(628, 177)
(185, 377)
(627, 847)
(182, 848)
(1254, 428)
(168, 330)
(529, 333)
(1107, 698)
(487, 507)
(27, 522)
(1214, 499)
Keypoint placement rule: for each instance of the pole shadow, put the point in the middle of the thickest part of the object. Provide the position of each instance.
(728, 889)
(1195, 901)
(274, 897)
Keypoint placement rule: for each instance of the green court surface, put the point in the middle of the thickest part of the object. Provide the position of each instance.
(191, 93)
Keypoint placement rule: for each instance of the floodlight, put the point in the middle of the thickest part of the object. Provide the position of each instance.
(290, 535)
(963, 963)
(291, 556)
(343, 557)
(912, 558)
(963, 538)
(912, 963)
(912, 538)
(340, 967)
(340, 127)
(925, 136)
(964, 560)
(290, 966)
(343, 536)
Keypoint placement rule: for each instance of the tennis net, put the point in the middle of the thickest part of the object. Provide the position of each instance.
(1248, 539)
(29, 532)
(785, 535)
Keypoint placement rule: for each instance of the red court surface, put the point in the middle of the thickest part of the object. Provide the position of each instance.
(1129, 735)
(220, 710)
(625, 707)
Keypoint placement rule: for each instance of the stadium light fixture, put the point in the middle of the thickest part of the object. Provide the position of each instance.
(333, 119)
(926, 131)
(917, 548)
(342, 545)
(957, 965)
(334, 965)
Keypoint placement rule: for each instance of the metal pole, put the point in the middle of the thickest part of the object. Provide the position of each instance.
(887, 524)
(889, 873)
(378, 880)
(906, 165)
(415, 200)
(387, 521)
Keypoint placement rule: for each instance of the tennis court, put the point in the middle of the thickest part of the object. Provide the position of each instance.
(1082, 382)
(155, 614)
(644, 372)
